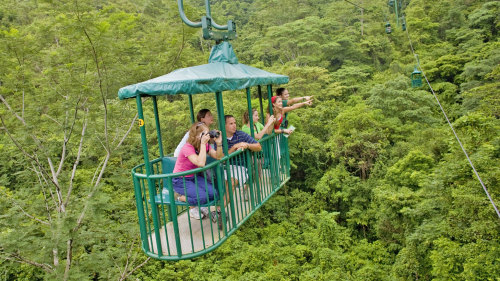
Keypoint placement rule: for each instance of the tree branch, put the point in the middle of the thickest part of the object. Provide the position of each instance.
(95, 57)
(20, 259)
(11, 110)
(44, 194)
(135, 268)
(69, 254)
(56, 184)
(77, 161)
(128, 131)
(82, 214)
(24, 212)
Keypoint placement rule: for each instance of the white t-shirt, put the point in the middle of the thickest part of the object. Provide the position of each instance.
(181, 144)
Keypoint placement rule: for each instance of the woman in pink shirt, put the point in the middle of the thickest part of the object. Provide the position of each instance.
(197, 190)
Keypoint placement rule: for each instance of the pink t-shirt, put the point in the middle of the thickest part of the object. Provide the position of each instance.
(183, 163)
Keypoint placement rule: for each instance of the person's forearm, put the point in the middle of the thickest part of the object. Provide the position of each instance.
(232, 149)
(295, 106)
(219, 152)
(294, 100)
(254, 146)
(264, 131)
(202, 157)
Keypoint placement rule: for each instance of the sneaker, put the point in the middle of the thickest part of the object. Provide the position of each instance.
(195, 213)
(205, 211)
(217, 218)
(213, 215)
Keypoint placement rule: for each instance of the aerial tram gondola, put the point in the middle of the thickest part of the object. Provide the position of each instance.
(388, 29)
(416, 78)
(167, 230)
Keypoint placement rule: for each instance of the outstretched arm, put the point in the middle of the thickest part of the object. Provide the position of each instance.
(297, 105)
(299, 99)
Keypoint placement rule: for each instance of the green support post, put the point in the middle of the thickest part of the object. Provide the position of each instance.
(222, 128)
(222, 123)
(396, 11)
(190, 98)
(147, 164)
(248, 154)
(175, 223)
(250, 113)
(261, 106)
(158, 130)
(140, 213)
(269, 96)
(272, 144)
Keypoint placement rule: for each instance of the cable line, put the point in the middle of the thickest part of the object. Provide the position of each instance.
(451, 126)
(354, 4)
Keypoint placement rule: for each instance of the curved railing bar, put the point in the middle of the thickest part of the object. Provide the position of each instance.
(180, 4)
(184, 173)
(194, 171)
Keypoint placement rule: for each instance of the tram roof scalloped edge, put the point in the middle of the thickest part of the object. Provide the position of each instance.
(222, 73)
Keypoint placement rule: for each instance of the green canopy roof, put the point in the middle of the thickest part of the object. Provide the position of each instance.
(222, 73)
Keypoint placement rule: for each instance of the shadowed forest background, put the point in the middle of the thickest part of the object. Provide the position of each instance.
(380, 189)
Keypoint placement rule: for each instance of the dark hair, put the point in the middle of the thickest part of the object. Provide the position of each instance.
(280, 91)
(227, 116)
(202, 113)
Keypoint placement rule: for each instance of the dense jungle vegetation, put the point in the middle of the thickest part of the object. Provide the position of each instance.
(380, 189)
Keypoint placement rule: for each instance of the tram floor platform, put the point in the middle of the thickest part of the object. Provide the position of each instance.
(204, 232)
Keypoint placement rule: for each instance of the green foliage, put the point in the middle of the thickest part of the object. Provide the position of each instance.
(380, 189)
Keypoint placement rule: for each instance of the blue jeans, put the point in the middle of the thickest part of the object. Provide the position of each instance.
(196, 190)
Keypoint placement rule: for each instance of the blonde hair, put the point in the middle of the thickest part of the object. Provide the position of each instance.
(194, 132)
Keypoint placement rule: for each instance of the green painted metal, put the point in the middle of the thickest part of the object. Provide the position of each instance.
(388, 28)
(269, 96)
(191, 110)
(158, 128)
(272, 144)
(259, 89)
(167, 231)
(180, 4)
(262, 184)
(221, 74)
(416, 78)
(152, 191)
(396, 12)
(222, 122)
(207, 23)
(222, 128)
(140, 212)
(250, 113)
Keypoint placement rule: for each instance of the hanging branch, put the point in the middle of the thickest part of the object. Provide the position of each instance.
(15, 257)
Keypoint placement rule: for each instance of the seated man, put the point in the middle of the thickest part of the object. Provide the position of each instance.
(204, 116)
(238, 140)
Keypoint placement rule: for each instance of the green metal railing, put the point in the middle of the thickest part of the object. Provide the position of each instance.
(167, 230)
